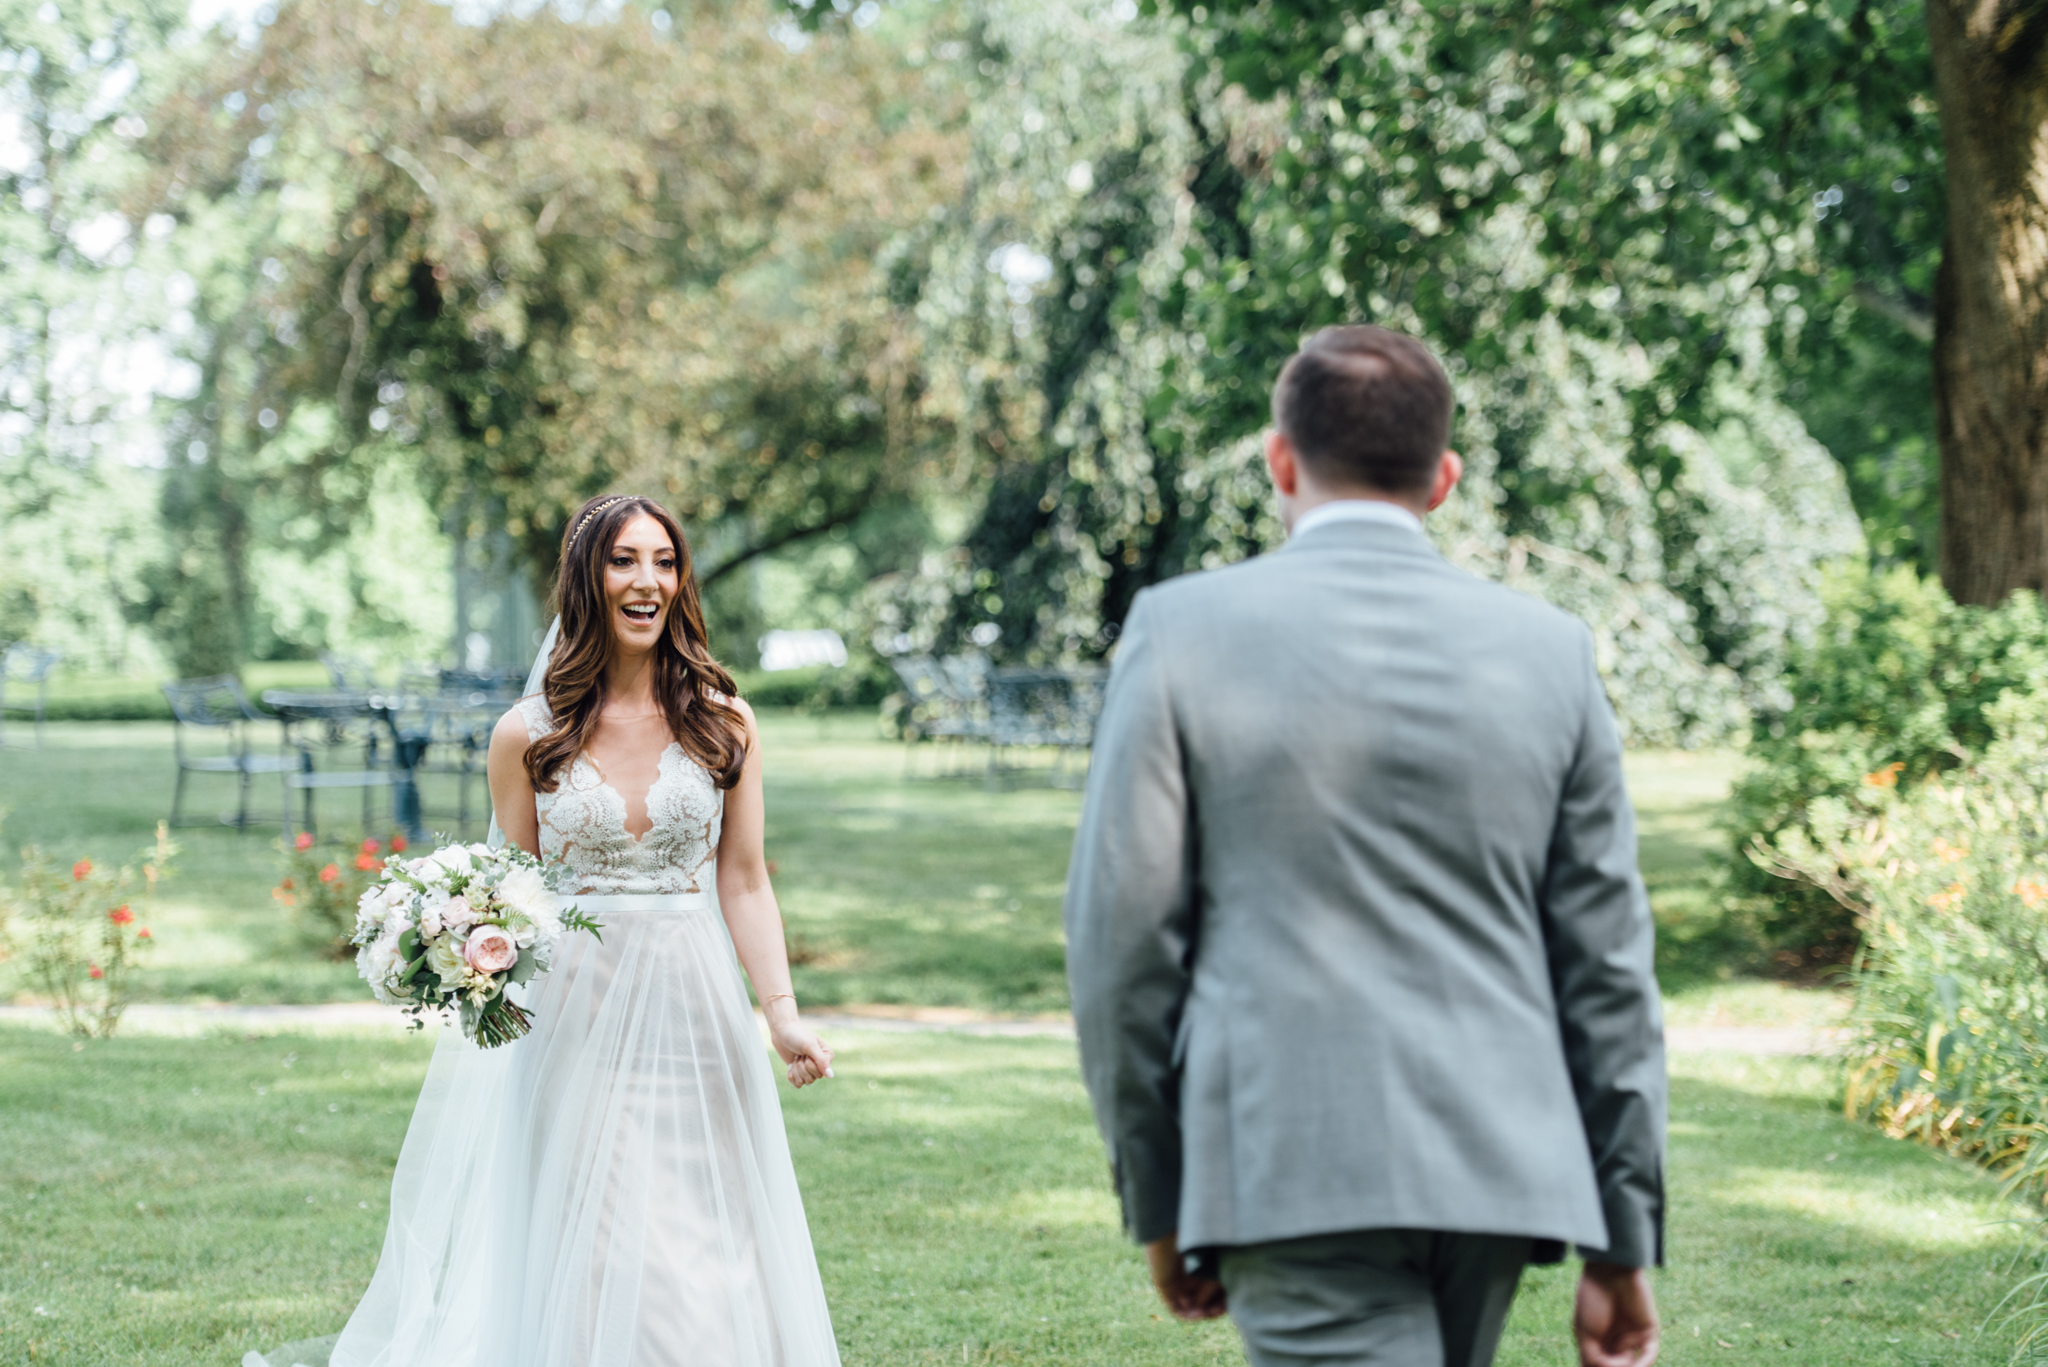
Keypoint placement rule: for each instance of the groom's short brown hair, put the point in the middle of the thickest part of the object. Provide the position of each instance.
(1365, 406)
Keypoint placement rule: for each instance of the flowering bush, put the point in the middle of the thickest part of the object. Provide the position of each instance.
(79, 935)
(1949, 881)
(1898, 681)
(323, 891)
(457, 928)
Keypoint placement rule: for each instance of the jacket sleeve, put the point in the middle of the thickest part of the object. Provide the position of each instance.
(1130, 920)
(1600, 939)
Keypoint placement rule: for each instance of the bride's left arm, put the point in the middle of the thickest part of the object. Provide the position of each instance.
(748, 903)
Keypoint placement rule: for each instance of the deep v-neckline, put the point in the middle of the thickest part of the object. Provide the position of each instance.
(646, 800)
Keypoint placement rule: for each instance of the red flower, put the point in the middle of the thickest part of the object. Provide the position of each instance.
(371, 847)
(329, 874)
(366, 862)
(304, 842)
(81, 871)
(94, 971)
(143, 934)
(120, 915)
(398, 844)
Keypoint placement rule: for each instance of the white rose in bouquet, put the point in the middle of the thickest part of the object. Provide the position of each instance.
(444, 956)
(454, 859)
(525, 892)
(374, 905)
(376, 961)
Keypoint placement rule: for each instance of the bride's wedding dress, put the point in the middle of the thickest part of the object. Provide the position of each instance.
(615, 1189)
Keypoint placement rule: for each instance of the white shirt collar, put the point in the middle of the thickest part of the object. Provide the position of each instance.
(1355, 510)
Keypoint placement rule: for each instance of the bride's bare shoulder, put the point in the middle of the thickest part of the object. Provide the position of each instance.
(522, 723)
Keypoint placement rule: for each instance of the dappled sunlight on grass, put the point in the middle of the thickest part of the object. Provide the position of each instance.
(1810, 1080)
(1677, 796)
(934, 891)
(1934, 1224)
(1091, 1207)
(1795, 1233)
(1756, 1003)
(958, 1196)
(898, 887)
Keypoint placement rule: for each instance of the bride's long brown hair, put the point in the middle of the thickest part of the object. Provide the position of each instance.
(693, 689)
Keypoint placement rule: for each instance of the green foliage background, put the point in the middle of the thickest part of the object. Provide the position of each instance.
(927, 317)
(1621, 227)
(1897, 689)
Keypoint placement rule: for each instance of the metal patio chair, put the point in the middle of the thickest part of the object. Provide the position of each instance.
(349, 673)
(218, 705)
(1052, 709)
(23, 663)
(449, 733)
(939, 706)
(316, 722)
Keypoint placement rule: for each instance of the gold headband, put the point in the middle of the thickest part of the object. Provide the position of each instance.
(578, 533)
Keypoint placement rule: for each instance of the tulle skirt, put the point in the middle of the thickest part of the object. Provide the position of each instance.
(613, 1190)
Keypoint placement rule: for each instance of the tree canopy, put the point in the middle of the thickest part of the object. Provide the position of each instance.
(549, 258)
(1022, 271)
(79, 303)
(1590, 212)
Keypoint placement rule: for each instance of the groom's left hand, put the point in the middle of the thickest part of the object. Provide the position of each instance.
(1188, 1295)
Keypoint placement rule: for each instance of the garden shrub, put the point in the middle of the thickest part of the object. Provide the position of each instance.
(863, 681)
(77, 934)
(1949, 877)
(323, 891)
(1898, 681)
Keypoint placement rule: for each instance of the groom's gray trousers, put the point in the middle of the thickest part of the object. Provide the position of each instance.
(1374, 1298)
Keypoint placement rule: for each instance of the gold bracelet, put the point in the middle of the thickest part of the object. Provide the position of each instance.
(790, 996)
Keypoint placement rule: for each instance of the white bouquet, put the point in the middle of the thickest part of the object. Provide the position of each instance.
(456, 928)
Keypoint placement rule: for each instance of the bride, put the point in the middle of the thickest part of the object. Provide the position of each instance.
(615, 1189)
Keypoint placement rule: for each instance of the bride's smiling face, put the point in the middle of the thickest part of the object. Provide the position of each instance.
(640, 581)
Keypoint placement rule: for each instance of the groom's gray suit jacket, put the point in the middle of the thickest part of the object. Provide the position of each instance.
(1354, 927)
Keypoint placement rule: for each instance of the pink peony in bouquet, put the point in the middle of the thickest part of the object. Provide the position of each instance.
(457, 928)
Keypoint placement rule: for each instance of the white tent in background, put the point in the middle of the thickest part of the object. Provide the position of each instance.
(800, 649)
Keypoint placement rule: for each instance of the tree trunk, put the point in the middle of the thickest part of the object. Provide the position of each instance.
(1991, 299)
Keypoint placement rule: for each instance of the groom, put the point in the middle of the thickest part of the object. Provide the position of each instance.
(1359, 953)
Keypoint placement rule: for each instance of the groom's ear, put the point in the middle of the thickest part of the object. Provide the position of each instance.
(1449, 471)
(1282, 463)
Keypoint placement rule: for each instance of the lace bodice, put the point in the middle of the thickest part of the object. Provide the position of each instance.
(584, 822)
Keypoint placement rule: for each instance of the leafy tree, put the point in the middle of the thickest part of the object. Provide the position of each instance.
(1157, 219)
(547, 258)
(1762, 107)
(77, 303)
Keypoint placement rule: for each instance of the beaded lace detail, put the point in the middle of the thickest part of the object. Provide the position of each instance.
(584, 822)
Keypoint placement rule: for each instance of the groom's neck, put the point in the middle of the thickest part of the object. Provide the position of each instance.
(1308, 496)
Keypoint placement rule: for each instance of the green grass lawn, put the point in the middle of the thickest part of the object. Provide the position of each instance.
(181, 1201)
(909, 890)
(899, 888)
